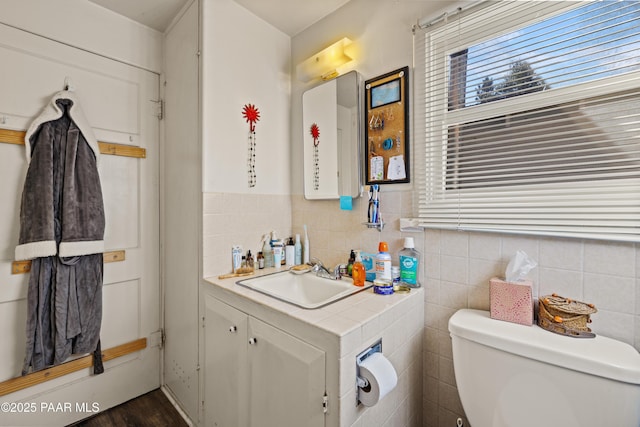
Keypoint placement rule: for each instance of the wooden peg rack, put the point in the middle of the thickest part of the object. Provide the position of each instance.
(10, 136)
(22, 267)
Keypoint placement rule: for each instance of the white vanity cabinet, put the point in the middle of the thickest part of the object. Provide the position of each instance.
(258, 375)
(267, 363)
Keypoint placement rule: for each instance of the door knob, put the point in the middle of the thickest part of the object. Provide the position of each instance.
(253, 341)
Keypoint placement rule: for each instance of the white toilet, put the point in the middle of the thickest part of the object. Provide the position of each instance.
(510, 375)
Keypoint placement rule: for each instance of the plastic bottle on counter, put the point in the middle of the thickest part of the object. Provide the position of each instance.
(395, 275)
(358, 272)
(409, 262)
(278, 251)
(298, 250)
(306, 250)
(383, 262)
(267, 252)
(290, 252)
(352, 259)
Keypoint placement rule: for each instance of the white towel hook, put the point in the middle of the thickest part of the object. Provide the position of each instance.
(68, 84)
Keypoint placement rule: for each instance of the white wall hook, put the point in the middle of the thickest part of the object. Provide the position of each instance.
(68, 84)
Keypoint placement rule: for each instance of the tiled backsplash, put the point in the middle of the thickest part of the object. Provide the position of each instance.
(457, 268)
(239, 219)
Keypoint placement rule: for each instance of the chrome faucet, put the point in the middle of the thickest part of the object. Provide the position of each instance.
(322, 271)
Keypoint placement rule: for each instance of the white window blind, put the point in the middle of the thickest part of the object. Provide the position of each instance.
(527, 118)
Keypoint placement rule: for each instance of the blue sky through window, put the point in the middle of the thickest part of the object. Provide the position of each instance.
(597, 40)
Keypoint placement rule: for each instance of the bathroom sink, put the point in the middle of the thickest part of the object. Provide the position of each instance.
(304, 290)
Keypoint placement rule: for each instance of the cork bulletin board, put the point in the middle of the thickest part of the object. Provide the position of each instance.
(387, 128)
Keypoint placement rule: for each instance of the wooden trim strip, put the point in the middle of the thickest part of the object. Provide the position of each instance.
(113, 256)
(23, 267)
(38, 377)
(20, 267)
(10, 136)
(122, 150)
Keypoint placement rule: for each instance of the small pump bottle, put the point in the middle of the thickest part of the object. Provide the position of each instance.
(290, 252)
(383, 262)
(409, 263)
(358, 272)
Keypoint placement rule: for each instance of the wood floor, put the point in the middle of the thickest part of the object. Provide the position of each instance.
(149, 410)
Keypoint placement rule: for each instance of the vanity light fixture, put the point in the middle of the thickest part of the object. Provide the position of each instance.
(325, 63)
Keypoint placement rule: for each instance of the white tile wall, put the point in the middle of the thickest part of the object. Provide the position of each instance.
(604, 273)
(239, 219)
(401, 334)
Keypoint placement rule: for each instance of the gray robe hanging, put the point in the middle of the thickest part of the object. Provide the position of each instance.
(61, 231)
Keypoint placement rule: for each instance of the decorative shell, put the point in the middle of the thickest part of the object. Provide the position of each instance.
(568, 305)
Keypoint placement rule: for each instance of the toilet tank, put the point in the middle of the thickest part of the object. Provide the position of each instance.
(514, 375)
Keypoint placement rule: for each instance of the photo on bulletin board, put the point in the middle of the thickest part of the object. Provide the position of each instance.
(387, 128)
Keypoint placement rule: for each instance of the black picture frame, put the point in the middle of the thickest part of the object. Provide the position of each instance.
(386, 154)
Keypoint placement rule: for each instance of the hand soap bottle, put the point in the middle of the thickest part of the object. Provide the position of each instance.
(358, 272)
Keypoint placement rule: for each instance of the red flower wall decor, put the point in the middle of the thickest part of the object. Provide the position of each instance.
(251, 115)
(315, 134)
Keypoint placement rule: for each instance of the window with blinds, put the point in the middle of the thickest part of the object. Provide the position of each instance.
(528, 118)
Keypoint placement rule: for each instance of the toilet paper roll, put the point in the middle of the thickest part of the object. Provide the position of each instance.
(382, 379)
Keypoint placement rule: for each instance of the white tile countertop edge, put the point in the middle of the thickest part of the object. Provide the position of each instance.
(339, 318)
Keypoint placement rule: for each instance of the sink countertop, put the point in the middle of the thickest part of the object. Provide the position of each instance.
(339, 318)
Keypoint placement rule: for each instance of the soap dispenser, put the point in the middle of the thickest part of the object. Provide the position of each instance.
(358, 273)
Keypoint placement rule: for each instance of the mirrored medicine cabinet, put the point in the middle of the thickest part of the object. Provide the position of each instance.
(332, 132)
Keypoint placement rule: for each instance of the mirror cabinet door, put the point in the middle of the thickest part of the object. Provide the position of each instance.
(332, 130)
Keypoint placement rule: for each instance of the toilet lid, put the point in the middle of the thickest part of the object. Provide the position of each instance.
(600, 356)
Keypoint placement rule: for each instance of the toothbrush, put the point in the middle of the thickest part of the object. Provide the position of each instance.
(376, 204)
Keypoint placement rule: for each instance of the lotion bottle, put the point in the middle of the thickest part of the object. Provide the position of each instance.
(277, 254)
(383, 262)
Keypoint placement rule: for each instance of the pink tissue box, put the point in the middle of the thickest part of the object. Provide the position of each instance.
(511, 301)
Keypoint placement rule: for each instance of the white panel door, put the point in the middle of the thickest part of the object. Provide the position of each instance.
(116, 99)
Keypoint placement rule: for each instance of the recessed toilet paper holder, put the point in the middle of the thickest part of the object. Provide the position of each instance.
(363, 383)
